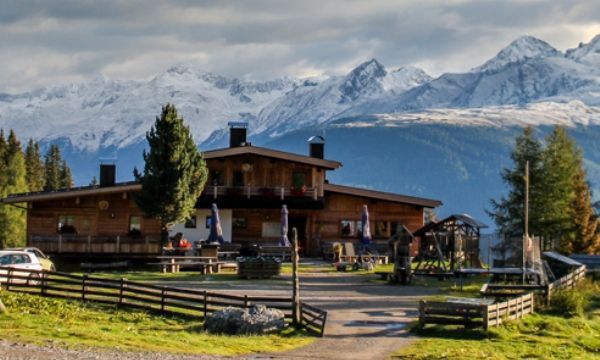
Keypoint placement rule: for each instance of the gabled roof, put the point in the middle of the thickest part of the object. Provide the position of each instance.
(465, 218)
(380, 195)
(276, 154)
(72, 192)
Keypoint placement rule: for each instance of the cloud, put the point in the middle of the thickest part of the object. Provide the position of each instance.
(51, 42)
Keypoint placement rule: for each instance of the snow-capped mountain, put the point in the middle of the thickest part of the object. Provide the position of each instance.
(523, 48)
(587, 53)
(110, 113)
(313, 103)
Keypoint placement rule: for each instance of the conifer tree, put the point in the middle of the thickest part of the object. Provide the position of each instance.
(174, 172)
(35, 166)
(562, 160)
(52, 166)
(508, 212)
(66, 179)
(94, 181)
(585, 237)
(12, 218)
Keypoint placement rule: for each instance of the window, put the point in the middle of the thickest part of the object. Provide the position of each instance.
(191, 223)
(271, 229)
(208, 222)
(238, 178)
(380, 229)
(238, 223)
(349, 228)
(216, 178)
(135, 223)
(298, 180)
(66, 224)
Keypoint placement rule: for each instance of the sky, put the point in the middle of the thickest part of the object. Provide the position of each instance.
(45, 43)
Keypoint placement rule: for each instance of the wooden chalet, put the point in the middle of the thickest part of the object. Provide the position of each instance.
(248, 183)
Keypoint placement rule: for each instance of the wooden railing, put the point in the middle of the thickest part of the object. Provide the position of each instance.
(162, 299)
(249, 192)
(71, 243)
(566, 282)
(474, 315)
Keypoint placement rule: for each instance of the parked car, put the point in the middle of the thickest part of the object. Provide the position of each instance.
(47, 264)
(17, 260)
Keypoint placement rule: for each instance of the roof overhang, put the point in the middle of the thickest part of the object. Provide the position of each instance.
(380, 195)
(275, 154)
(70, 193)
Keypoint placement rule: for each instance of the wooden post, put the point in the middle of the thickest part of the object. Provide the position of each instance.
(59, 243)
(118, 249)
(83, 287)
(246, 302)
(8, 279)
(215, 191)
(89, 244)
(43, 287)
(282, 193)
(162, 299)
(2, 308)
(122, 290)
(205, 304)
(296, 314)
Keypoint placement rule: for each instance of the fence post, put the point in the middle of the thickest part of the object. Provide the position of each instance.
(246, 303)
(162, 299)
(43, 288)
(118, 249)
(486, 317)
(8, 279)
(421, 314)
(296, 314)
(59, 243)
(205, 304)
(122, 290)
(83, 287)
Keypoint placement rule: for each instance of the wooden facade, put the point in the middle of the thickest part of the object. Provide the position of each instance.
(250, 183)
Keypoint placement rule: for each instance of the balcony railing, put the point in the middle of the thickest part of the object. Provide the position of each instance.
(88, 244)
(250, 192)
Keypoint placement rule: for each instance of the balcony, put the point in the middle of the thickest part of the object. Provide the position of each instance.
(261, 197)
(97, 245)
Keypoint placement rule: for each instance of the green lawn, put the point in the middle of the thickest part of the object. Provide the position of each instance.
(570, 329)
(35, 319)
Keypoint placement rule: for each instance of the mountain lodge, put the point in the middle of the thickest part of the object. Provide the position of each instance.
(248, 183)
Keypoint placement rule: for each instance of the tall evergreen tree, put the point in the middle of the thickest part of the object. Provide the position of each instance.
(585, 237)
(508, 212)
(35, 166)
(12, 218)
(66, 179)
(52, 166)
(562, 160)
(174, 171)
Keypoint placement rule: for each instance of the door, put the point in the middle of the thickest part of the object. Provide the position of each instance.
(298, 222)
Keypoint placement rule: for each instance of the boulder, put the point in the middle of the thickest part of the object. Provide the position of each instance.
(256, 320)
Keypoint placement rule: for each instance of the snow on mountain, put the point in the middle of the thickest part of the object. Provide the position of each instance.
(570, 114)
(523, 48)
(313, 104)
(103, 113)
(586, 53)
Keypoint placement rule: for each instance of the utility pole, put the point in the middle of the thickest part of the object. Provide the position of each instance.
(295, 281)
(526, 230)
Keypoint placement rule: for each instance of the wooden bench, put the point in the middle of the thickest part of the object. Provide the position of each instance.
(350, 255)
(283, 252)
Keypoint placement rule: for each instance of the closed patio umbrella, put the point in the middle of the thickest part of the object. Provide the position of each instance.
(216, 232)
(365, 234)
(283, 240)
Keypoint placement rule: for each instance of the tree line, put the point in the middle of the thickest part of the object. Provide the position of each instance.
(24, 171)
(561, 210)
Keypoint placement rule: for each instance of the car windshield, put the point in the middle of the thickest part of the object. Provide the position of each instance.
(14, 259)
(5, 259)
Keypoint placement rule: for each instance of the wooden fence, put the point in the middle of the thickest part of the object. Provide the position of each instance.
(485, 315)
(155, 298)
(474, 315)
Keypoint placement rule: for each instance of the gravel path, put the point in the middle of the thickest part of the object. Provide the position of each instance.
(366, 320)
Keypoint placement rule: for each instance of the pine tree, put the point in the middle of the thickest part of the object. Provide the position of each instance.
(174, 172)
(585, 237)
(35, 166)
(508, 212)
(66, 179)
(12, 218)
(94, 181)
(561, 160)
(52, 166)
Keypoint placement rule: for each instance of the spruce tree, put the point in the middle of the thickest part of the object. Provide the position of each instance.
(52, 166)
(94, 181)
(561, 160)
(508, 212)
(585, 237)
(174, 172)
(66, 179)
(12, 218)
(35, 166)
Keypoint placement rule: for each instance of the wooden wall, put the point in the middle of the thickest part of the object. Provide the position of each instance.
(89, 218)
(265, 171)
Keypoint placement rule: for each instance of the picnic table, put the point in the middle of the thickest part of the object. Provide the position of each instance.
(173, 263)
